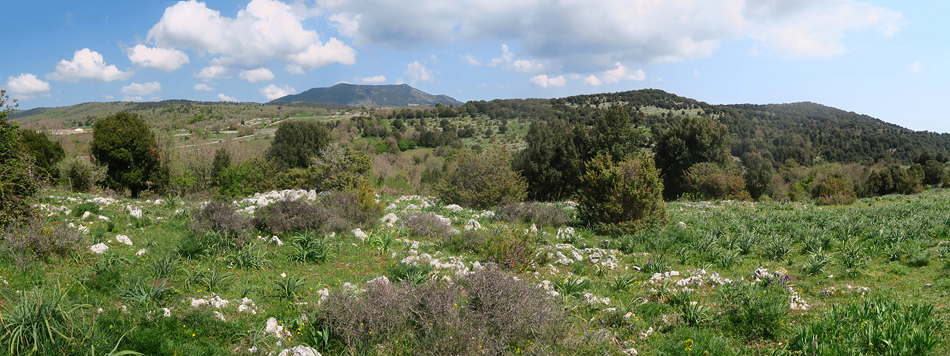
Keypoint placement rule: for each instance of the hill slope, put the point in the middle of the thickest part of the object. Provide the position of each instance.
(380, 96)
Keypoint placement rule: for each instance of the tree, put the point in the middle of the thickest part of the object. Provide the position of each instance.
(18, 183)
(714, 182)
(695, 140)
(483, 180)
(222, 160)
(614, 134)
(934, 172)
(551, 162)
(296, 142)
(758, 174)
(124, 143)
(619, 197)
(45, 153)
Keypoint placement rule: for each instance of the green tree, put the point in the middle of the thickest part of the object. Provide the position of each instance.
(80, 174)
(758, 174)
(694, 140)
(934, 172)
(614, 134)
(550, 162)
(714, 182)
(483, 180)
(222, 160)
(124, 143)
(619, 197)
(18, 183)
(296, 142)
(46, 153)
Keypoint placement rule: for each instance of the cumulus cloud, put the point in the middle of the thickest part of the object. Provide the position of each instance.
(164, 59)
(256, 75)
(542, 81)
(212, 72)
(264, 31)
(587, 37)
(223, 97)
(137, 89)
(471, 60)
(523, 65)
(418, 72)
(203, 87)
(372, 80)
(592, 80)
(87, 64)
(27, 86)
(622, 73)
(272, 91)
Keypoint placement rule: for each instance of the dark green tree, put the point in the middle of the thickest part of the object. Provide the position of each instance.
(551, 162)
(934, 172)
(46, 153)
(620, 197)
(614, 134)
(222, 160)
(296, 142)
(18, 183)
(483, 180)
(694, 140)
(124, 143)
(758, 174)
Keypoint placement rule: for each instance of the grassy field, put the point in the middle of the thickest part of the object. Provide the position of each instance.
(724, 278)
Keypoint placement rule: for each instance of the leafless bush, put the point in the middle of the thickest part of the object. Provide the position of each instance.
(35, 241)
(338, 211)
(429, 226)
(487, 312)
(536, 213)
(218, 217)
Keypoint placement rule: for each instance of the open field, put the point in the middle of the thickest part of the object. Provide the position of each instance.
(681, 290)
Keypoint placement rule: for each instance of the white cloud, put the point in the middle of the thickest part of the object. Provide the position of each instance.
(543, 81)
(203, 87)
(27, 86)
(592, 80)
(223, 97)
(142, 89)
(622, 73)
(272, 91)
(167, 60)
(256, 75)
(108, 97)
(372, 80)
(418, 72)
(212, 72)
(264, 31)
(917, 67)
(586, 37)
(87, 64)
(523, 65)
(132, 98)
(471, 60)
(295, 69)
(506, 57)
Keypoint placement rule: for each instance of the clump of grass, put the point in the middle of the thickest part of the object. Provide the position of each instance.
(532, 213)
(777, 247)
(755, 310)
(286, 288)
(410, 273)
(164, 266)
(37, 322)
(251, 256)
(310, 247)
(816, 262)
(147, 294)
(873, 326)
(572, 285)
(82, 208)
(214, 280)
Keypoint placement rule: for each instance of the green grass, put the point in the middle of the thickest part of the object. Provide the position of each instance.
(824, 250)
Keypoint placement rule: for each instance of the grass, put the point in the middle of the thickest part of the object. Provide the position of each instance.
(660, 286)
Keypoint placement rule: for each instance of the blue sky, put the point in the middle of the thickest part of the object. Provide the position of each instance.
(886, 59)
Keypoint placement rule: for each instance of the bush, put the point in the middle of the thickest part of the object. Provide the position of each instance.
(46, 154)
(429, 226)
(296, 142)
(34, 241)
(537, 213)
(337, 211)
(18, 182)
(483, 180)
(507, 248)
(80, 174)
(124, 144)
(694, 140)
(755, 310)
(712, 181)
(833, 190)
(247, 177)
(486, 312)
(625, 195)
(221, 218)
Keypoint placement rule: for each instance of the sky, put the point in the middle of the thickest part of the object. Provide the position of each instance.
(886, 59)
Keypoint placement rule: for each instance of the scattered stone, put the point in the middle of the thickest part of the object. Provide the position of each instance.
(123, 239)
(473, 225)
(99, 248)
(359, 233)
(299, 350)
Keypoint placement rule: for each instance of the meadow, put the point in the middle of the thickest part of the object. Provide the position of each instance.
(296, 269)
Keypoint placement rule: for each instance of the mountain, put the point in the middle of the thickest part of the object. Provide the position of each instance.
(380, 96)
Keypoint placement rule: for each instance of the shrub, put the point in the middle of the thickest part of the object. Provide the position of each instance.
(696, 341)
(18, 182)
(80, 174)
(694, 140)
(46, 154)
(833, 190)
(83, 207)
(712, 181)
(483, 180)
(755, 310)
(627, 195)
(429, 226)
(290, 215)
(247, 177)
(337, 211)
(219, 217)
(124, 144)
(34, 241)
(536, 213)
(296, 142)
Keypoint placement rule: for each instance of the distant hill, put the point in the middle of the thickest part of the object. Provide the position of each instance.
(379, 96)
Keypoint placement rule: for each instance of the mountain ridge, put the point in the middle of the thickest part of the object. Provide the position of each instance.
(379, 96)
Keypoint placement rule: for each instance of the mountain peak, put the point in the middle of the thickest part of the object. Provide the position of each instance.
(380, 96)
